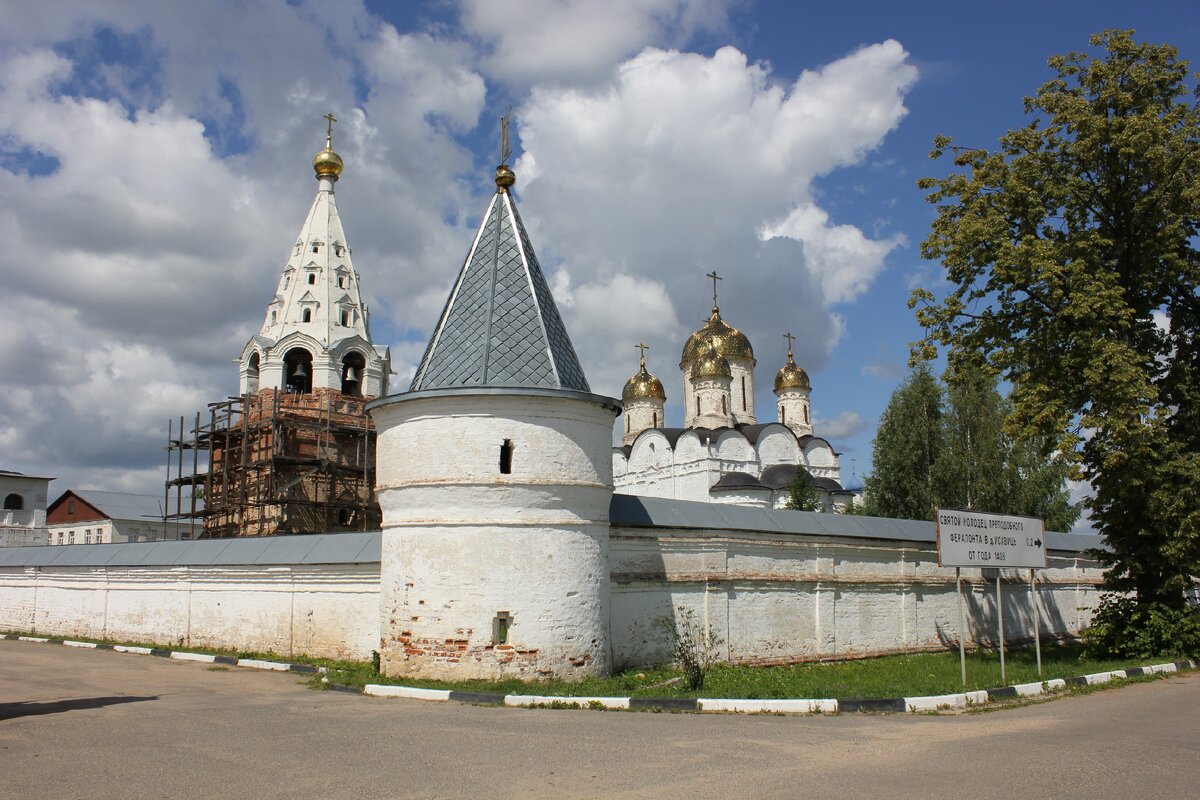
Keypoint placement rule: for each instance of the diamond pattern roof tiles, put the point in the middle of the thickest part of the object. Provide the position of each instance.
(500, 326)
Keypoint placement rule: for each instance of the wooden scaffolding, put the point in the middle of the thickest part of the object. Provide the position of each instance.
(274, 463)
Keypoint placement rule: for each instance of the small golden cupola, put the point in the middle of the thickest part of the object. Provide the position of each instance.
(326, 163)
(793, 390)
(643, 385)
(644, 399)
(791, 376)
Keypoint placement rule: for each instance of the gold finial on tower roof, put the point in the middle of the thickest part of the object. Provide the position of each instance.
(328, 163)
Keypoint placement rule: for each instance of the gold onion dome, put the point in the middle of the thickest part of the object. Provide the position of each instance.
(327, 162)
(791, 376)
(728, 341)
(712, 365)
(643, 386)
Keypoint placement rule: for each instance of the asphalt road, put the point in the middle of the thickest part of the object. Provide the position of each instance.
(88, 724)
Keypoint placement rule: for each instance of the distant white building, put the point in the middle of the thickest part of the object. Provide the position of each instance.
(23, 518)
(723, 454)
(92, 517)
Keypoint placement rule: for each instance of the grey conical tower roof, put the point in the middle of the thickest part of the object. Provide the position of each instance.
(500, 326)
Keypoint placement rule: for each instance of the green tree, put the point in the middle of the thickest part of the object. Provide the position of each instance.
(1070, 251)
(907, 443)
(962, 458)
(971, 465)
(982, 467)
(802, 495)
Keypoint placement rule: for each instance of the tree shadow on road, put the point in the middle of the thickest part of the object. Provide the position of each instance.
(35, 708)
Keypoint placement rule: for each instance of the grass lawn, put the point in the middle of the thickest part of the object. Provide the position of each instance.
(889, 676)
(915, 675)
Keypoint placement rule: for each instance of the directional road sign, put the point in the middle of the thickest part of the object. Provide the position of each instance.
(978, 539)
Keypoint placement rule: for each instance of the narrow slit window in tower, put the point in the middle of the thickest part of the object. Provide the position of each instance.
(312, 277)
(697, 404)
(306, 315)
(806, 415)
(783, 415)
(723, 411)
(656, 419)
(506, 454)
(743, 393)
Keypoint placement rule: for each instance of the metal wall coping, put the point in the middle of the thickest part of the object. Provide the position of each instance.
(321, 548)
(656, 512)
(627, 511)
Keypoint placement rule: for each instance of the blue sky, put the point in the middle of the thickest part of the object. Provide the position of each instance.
(154, 171)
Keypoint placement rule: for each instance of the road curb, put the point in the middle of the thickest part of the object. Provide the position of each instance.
(874, 705)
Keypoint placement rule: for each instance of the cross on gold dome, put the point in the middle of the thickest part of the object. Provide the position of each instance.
(643, 347)
(790, 339)
(715, 277)
(329, 119)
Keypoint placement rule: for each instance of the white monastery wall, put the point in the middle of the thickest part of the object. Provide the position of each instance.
(326, 610)
(793, 593)
(783, 597)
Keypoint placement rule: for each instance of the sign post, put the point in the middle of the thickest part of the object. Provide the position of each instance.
(1037, 620)
(962, 628)
(980, 539)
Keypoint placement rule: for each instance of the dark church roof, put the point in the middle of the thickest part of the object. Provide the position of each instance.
(781, 476)
(737, 480)
(500, 327)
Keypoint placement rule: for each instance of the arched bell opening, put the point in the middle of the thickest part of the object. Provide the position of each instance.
(252, 370)
(297, 365)
(14, 502)
(353, 365)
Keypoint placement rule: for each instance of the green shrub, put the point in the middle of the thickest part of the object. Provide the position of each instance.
(1124, 628)
(695, 646)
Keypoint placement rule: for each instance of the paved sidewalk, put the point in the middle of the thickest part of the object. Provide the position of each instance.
(89, 724)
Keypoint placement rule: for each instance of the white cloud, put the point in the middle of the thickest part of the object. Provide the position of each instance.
(843, 258)
(673, 169)
(136, 269)
(889, 370)
(573, 41)
(842, 425)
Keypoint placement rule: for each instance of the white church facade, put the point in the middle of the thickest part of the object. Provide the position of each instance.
(723, 454)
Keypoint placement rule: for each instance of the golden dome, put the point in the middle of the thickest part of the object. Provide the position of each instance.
(791, 376)
(729, 341)
(712, 365)
(327, 162)
(643, 386)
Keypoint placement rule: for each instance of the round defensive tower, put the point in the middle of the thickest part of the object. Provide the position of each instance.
(494, 477)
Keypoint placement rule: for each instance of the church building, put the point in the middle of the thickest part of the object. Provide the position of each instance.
(723, 454)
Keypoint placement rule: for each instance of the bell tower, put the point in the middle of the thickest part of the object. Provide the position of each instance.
(316, 332)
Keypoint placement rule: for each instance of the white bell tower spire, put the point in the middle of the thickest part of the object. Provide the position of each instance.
(316, 331)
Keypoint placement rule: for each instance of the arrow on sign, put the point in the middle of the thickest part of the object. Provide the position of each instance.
(1037, 542)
